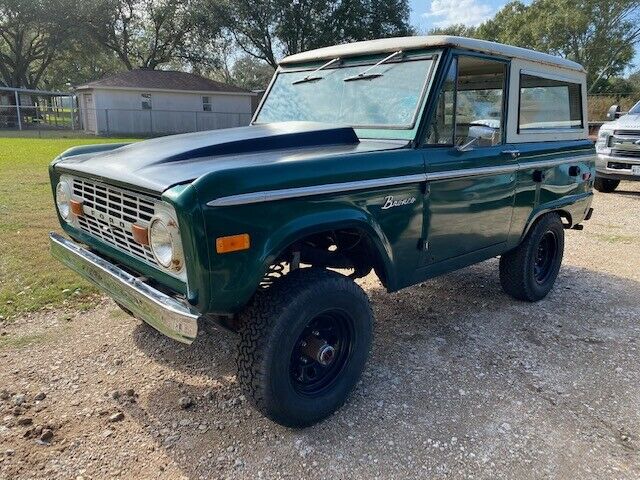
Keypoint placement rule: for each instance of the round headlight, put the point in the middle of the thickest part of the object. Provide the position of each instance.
(161, 242)
(63, 199)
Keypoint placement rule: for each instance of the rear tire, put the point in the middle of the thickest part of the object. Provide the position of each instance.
(530, 271)
(304, 343)
(605, 185)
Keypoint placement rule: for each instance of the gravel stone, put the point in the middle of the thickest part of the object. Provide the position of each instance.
(47, 435)
(116, 417)
(519, 390)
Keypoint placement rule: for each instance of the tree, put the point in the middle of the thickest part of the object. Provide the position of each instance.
(151, 33)
(459, 30)
(599, 34)
(267, 29)
(33, 33)
(251, 73)
(83, 61)
(634, 80)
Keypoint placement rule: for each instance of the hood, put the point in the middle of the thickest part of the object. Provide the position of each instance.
(630, 122)
(157, 164)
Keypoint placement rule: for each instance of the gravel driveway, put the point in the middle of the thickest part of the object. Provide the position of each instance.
(463, 382)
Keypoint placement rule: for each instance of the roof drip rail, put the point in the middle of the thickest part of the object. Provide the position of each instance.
(311, 78)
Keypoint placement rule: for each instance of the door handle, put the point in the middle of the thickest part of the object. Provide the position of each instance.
(513, 153)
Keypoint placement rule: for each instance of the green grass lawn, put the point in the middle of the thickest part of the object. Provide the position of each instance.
(29, 278)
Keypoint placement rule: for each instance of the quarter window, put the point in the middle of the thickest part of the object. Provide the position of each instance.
(547, 104)
(206, 104)
(146, 101)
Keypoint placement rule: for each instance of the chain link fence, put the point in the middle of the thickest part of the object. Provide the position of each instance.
(157, 122)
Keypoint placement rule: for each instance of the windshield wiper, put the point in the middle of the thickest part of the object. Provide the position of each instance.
(311, 78)
(366, 75)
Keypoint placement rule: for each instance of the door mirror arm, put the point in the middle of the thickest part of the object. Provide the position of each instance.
(466, 147)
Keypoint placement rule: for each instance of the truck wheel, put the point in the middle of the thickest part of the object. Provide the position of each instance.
(529, 272)
(303, 345)
(605, 185)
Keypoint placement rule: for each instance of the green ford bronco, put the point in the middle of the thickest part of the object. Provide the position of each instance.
(408, 157)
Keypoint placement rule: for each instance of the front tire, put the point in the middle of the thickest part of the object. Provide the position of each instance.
(605, 185)
(530, 271)
(303, 345)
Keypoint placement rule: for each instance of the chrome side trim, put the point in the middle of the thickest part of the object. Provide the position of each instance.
(472, 172)
(555, 162)
(162, 312)
(273, 195)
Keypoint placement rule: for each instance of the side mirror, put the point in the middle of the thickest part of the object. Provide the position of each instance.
(614, 112)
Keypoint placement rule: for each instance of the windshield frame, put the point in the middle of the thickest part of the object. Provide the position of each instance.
(370, 131)
(635, 110)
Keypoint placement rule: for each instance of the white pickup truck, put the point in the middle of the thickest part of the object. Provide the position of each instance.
(618, 148)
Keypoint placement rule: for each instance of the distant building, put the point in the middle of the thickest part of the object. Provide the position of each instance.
(156, 102)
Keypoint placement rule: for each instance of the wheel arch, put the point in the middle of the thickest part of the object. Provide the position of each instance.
(315, 224)
(536, 216)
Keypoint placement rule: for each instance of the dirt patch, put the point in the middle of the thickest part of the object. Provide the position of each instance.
(463, 382)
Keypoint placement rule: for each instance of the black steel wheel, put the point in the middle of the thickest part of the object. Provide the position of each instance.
(545, 257)
(529, 271)
(304, 343)
(321, 352)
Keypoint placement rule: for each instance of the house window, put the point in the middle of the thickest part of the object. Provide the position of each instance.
(146, 101)
(206, 104)
(549, 104)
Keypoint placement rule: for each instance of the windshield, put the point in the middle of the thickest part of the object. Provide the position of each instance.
(635, 110)
(387, 96)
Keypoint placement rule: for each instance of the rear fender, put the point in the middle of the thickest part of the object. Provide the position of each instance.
(572, 208)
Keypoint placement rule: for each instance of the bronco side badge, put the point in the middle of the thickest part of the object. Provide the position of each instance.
(389, 202)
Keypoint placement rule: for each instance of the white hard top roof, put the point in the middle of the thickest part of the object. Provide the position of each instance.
(390, 45)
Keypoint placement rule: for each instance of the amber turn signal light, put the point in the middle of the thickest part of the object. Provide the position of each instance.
(76, 208)
(140, 234)
(234, 243)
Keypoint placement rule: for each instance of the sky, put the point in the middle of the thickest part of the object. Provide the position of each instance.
(427, 14)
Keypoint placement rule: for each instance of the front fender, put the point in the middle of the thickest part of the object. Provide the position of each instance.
(274, 227)
(87, 150)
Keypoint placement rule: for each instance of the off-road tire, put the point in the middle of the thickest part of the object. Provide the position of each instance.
(270, 327)
(517, 267)
(605, 185)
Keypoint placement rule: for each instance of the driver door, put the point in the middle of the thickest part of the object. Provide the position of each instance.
(471, 171)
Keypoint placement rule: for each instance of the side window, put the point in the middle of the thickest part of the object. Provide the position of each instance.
(549, 104)
(145, 100)
(471, 106)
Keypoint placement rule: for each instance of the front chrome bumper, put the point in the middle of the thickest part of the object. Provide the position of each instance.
(162, 312)
(602, 169)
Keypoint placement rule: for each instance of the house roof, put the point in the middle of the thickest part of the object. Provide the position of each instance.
(390, 45)
(162, 80)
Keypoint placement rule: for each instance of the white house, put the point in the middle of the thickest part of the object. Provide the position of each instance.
(156, 102)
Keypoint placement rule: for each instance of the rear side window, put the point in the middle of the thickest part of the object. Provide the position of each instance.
(547, 104)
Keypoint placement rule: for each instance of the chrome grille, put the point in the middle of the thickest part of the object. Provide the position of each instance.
(121, 209)
(626, 153)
